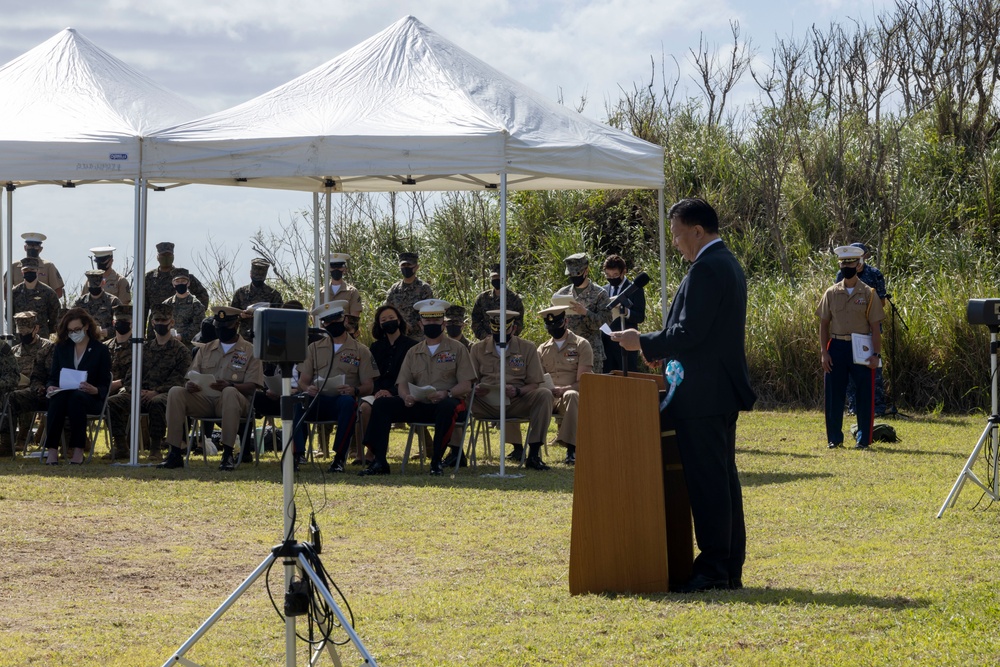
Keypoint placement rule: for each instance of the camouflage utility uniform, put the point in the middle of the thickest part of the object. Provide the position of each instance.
(245, 297)
(588, 326)
(403, 296)
(188, 315)
(159, 287)
(101, 308)
(25, 402)
(43, 301)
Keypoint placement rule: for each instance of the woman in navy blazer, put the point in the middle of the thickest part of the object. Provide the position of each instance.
(78, 346)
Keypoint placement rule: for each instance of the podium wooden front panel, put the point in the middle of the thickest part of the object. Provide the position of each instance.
(619, 536)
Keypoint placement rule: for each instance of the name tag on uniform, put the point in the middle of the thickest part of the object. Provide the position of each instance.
(444, 358)
(516, 361)
(350, 359)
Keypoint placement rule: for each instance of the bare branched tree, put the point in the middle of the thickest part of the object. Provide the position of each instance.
(716, 77)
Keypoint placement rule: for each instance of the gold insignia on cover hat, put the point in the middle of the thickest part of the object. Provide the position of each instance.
(848, 252)
(431, 307)
(552, 312)
(329, 309)
(102, 251)
(226, 313)
(339, 258)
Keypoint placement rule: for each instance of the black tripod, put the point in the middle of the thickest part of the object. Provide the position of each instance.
(897, 318)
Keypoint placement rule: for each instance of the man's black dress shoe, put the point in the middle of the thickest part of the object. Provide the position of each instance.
(535, 463)
(227, 464)
(449, 461)
(515, 456)
(834, 445)
(376, 468)
(736, 584)
(860, 446)
(336, 466)
(436, 469)
(700, 582)
(174, 460)
(570, 459)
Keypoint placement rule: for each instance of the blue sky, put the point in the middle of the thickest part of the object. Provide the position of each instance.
(222, 52)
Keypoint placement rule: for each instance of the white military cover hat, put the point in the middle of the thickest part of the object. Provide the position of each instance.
(102, 251)
(329, 309)
(431, 307)
(33, 237)
(339, 258)
(496, 314)
(552, 310)
(848, 252)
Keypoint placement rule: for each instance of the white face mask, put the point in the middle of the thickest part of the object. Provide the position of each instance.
(77, 336)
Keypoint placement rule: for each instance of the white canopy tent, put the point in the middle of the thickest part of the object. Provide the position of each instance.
(404, 110)
(71, 114)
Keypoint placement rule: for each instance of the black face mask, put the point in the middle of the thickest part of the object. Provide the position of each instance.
(615, 282)
(29, 276)
(454, 330)
(256, 282)
(124, 326)
(95, 291)
(556, 332)
(849, 271)
(433, 330)
(577, 280)
(407, 271)
(26, 339)
(390, 327)
(161, 329)
(336, 329)
(495, 283)
(226, 334)
(103, 264)
(181, 288)
(33, 252)
(336, 274)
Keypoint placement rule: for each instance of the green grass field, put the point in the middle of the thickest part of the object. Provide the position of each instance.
(847, 564)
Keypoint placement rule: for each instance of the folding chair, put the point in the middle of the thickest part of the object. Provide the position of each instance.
(95, 423)
(248, 421)
(481, 427)
(422, 445)
(8, 415)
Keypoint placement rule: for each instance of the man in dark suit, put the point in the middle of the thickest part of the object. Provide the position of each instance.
(634, 310)
(705, 331)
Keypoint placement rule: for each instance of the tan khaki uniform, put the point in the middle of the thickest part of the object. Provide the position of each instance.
(564, 366)
(448, 366)
(116, 286)
(524, 366)
(353, 360)
(237, 366)
(348, 293)
(47, 273)
(856, 313)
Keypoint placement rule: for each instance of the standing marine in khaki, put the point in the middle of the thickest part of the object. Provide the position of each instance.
(565, 357)
(114, 284)
(522, 386)
(238, 374)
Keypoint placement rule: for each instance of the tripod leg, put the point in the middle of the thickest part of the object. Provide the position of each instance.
(344, 623)
(217, 614)
(988, 433)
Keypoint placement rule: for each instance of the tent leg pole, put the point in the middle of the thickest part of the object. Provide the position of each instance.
(663, 255)
(318, 274)
(138, 323)
(10, 258)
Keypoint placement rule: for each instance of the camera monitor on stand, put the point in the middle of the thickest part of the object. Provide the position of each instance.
(280, 335)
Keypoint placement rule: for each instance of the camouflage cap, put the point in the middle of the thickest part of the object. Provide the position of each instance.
(165, 246)
(30, 263)
(179, 273)
(26, 319)
(123, 312)
(258, 267)
(454, 314)
(163, 311)
(94, 277)
(408, 258)
(576, 265)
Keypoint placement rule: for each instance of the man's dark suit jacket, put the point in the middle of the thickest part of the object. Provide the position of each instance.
(96, 361)
(705, 331)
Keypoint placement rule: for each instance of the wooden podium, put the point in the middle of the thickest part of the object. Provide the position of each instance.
(631, 514)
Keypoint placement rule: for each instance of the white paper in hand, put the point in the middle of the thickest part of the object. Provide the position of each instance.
(548, 383)
(421, 394)
(331, 385)
(205, 381)
(70, 378)
(862, 348)
(494, 395)
(273, 383)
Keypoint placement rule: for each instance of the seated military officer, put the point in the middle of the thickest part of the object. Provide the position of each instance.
(238, 374)
(454, 324)
(10, 376)
(437, 362)
(326, 359)
(565, 357)
(521, 387)
(34, 355)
